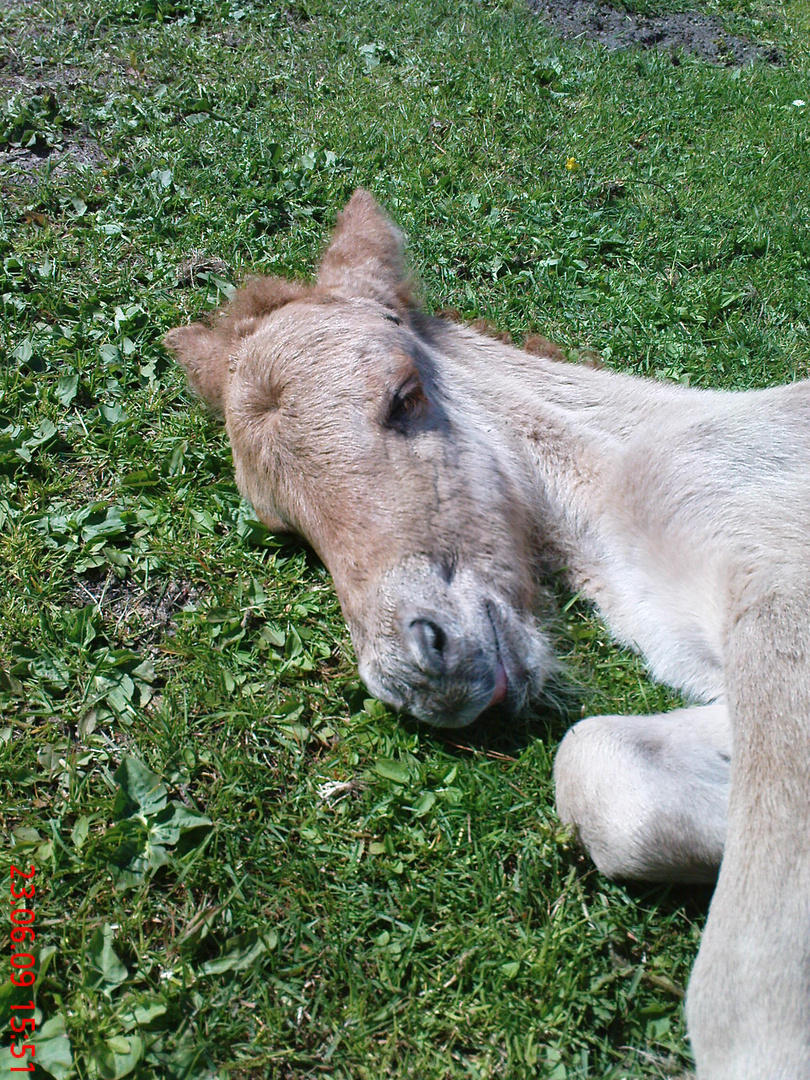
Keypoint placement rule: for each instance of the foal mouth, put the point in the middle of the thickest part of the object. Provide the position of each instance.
(501, 691)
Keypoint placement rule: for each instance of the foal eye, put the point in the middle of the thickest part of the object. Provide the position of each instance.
(407, 402)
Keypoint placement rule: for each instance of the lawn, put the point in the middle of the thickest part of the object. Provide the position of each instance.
(244, 867)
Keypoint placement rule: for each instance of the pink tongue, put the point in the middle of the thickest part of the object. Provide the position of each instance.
(501, 686)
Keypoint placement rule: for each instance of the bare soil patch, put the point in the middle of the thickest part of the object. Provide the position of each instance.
(20, 166)
(137, 616)
(66, 147)
(691, 32)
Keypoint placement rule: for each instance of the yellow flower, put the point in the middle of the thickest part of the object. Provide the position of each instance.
(571, 164)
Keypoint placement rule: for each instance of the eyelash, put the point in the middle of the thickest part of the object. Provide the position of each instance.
(405, 403)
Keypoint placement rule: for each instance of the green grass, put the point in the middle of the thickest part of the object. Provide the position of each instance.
(177, 688)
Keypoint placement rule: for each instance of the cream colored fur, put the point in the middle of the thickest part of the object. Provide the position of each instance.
(440, 473)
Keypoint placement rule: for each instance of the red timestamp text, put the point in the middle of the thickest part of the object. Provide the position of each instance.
(23, 936)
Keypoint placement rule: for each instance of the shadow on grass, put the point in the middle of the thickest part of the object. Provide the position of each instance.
(497, 735)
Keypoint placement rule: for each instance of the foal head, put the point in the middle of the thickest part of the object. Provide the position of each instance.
(355, 422)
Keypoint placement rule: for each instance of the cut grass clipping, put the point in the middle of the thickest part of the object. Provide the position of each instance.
(244, 867)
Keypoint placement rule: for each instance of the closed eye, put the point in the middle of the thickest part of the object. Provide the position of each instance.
(406, 404)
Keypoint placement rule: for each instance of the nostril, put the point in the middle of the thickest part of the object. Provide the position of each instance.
(430, 640)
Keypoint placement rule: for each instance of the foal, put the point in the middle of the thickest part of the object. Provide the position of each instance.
(440, 474)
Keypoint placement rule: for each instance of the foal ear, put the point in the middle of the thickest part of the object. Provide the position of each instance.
(206, 350)
(199, 350)
(366, 258)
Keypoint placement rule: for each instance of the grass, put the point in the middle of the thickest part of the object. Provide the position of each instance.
(245, 868)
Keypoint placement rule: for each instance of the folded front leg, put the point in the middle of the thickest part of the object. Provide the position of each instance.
(648, 795)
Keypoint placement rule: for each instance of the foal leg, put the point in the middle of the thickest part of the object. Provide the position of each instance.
(648, 795)
(748, 1004)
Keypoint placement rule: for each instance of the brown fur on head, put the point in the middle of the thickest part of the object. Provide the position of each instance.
(365, 259)
(205, 349)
